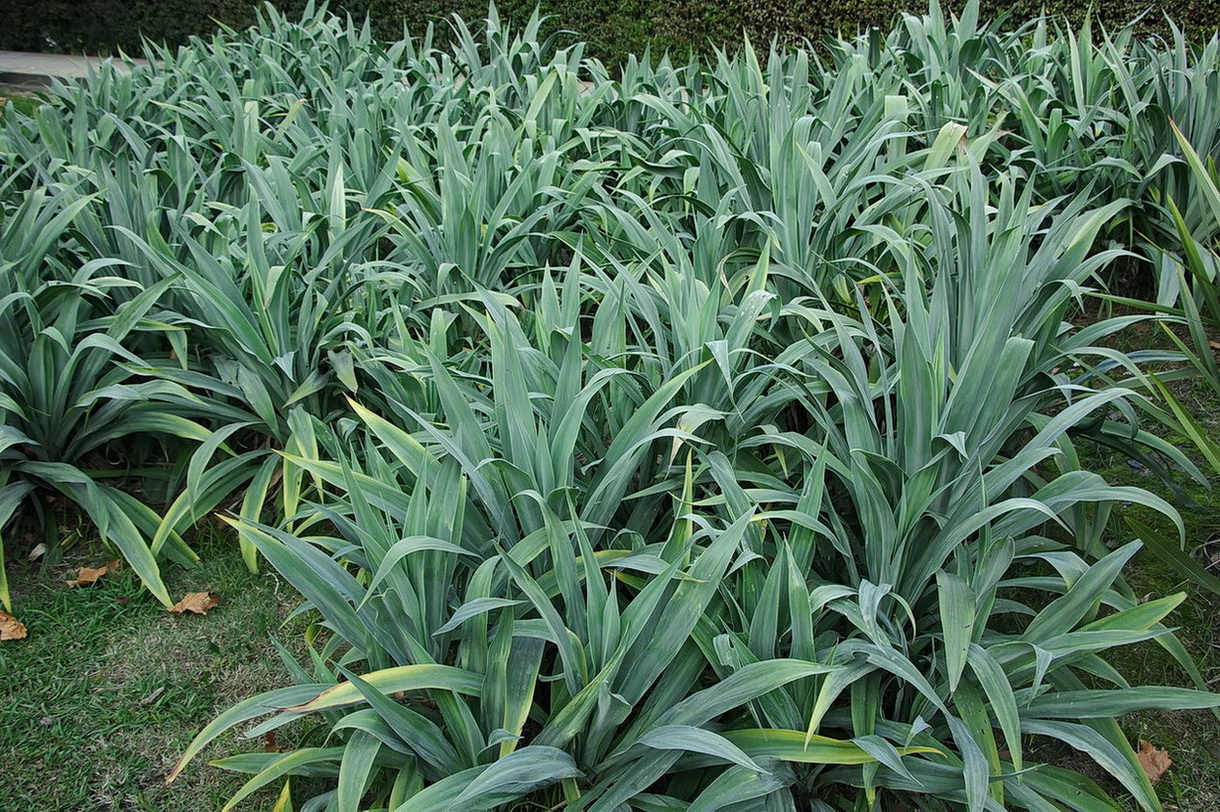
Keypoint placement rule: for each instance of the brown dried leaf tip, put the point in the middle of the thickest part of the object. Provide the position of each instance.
(1154, 761)
(197, 602)
(10, 627)
(87, 575)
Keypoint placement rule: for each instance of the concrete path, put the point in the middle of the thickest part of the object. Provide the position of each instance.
(37, 70)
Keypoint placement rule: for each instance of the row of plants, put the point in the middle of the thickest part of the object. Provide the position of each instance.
(700, 437)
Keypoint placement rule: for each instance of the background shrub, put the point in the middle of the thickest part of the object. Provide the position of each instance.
(612, 28)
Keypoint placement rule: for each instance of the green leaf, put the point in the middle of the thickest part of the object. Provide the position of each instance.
(791, 745)
(957, 602)
(506, 780)
(1173, 555)
(697, 740)
(392, 680)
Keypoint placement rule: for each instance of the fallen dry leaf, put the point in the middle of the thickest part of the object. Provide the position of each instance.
(87, 575)
(10, 627)
(1154, 761)
(151, 698)
(197, 602)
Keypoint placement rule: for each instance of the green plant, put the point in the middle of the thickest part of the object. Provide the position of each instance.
(714, 437)
(516, 627)
(66, 400)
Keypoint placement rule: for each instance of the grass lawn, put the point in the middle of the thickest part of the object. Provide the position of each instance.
(99, 701)
(19, 100)
(1192, 738)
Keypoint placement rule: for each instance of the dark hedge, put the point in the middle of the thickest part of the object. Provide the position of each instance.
(613, 28)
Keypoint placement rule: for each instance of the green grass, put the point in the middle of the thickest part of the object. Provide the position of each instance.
(1191, 737)
(99, 701)
(25, 102)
